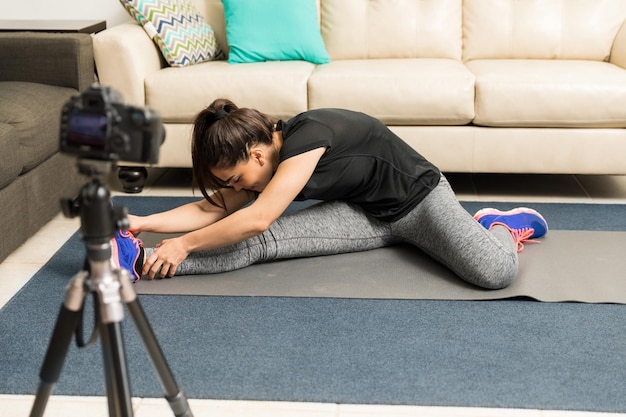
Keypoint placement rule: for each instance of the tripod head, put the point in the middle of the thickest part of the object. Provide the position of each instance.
(99, 220)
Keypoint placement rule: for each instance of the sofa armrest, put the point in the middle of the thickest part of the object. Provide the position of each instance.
(60, 59)
(125, 55)
(618, 52)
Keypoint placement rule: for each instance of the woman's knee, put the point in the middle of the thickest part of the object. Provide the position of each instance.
(497, 275)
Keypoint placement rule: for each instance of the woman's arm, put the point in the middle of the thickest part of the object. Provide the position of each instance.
(192, 216)
(289, 179)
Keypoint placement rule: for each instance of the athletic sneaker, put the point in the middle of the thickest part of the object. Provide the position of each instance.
(523, 223)
(127, 253)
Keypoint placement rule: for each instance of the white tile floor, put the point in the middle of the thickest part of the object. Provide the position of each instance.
(18, 268)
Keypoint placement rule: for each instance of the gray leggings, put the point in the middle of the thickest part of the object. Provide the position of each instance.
(439, 226)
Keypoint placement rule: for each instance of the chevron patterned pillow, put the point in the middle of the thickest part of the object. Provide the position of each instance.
(180, 32)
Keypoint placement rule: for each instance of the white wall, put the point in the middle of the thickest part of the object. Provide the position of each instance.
(110, 10)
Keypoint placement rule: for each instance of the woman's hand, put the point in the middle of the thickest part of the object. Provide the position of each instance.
(165, 259)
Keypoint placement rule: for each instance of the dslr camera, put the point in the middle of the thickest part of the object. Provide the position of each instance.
(97, 125)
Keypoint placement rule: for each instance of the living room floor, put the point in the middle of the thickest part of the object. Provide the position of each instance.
(19, 267)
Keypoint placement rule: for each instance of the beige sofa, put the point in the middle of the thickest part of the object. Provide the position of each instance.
(476, 85)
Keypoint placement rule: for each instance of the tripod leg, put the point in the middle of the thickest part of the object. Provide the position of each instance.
(115, 369)
(173, 394)
(67, 322)
(109, 315)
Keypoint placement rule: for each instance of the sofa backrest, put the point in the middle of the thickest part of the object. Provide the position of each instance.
(459, 29)
(541, 29)
(361, 29)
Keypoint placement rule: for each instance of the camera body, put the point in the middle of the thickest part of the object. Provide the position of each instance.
(96, 124)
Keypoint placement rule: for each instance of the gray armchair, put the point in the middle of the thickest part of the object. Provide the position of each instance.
(39, 72)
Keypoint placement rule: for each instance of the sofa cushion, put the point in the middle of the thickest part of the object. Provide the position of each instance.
(276, 88)
(549, 93)
(357, 29)
(561, 29)
(398, 92)
(273, 30)
(34, 111)
(10, 166)
(180, 32)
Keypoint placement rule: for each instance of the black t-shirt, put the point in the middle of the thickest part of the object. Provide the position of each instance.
(365, 163)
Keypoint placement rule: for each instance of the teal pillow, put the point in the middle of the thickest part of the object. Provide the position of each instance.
(274, 30)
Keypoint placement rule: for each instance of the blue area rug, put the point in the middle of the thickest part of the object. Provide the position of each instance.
(511, 354)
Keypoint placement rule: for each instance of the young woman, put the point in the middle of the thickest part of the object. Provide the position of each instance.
(375, 191)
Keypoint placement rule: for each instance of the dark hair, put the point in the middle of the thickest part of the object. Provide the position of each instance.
(222, 137)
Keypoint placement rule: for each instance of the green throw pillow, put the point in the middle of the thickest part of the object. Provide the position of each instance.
(180, 32)
(274, 30)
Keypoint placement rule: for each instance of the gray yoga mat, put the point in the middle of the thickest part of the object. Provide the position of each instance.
(583, 266)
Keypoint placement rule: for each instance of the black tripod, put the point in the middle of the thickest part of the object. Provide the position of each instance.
(111, 289)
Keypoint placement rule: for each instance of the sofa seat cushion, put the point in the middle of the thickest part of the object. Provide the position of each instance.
(276, 88)
(34, 111)
(549, 93)
(10, 166)
(398, 92)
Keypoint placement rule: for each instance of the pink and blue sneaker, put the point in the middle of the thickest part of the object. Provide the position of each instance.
(127, 253)
(523, 223)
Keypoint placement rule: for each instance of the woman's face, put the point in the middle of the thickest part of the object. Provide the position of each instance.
(253, 174)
